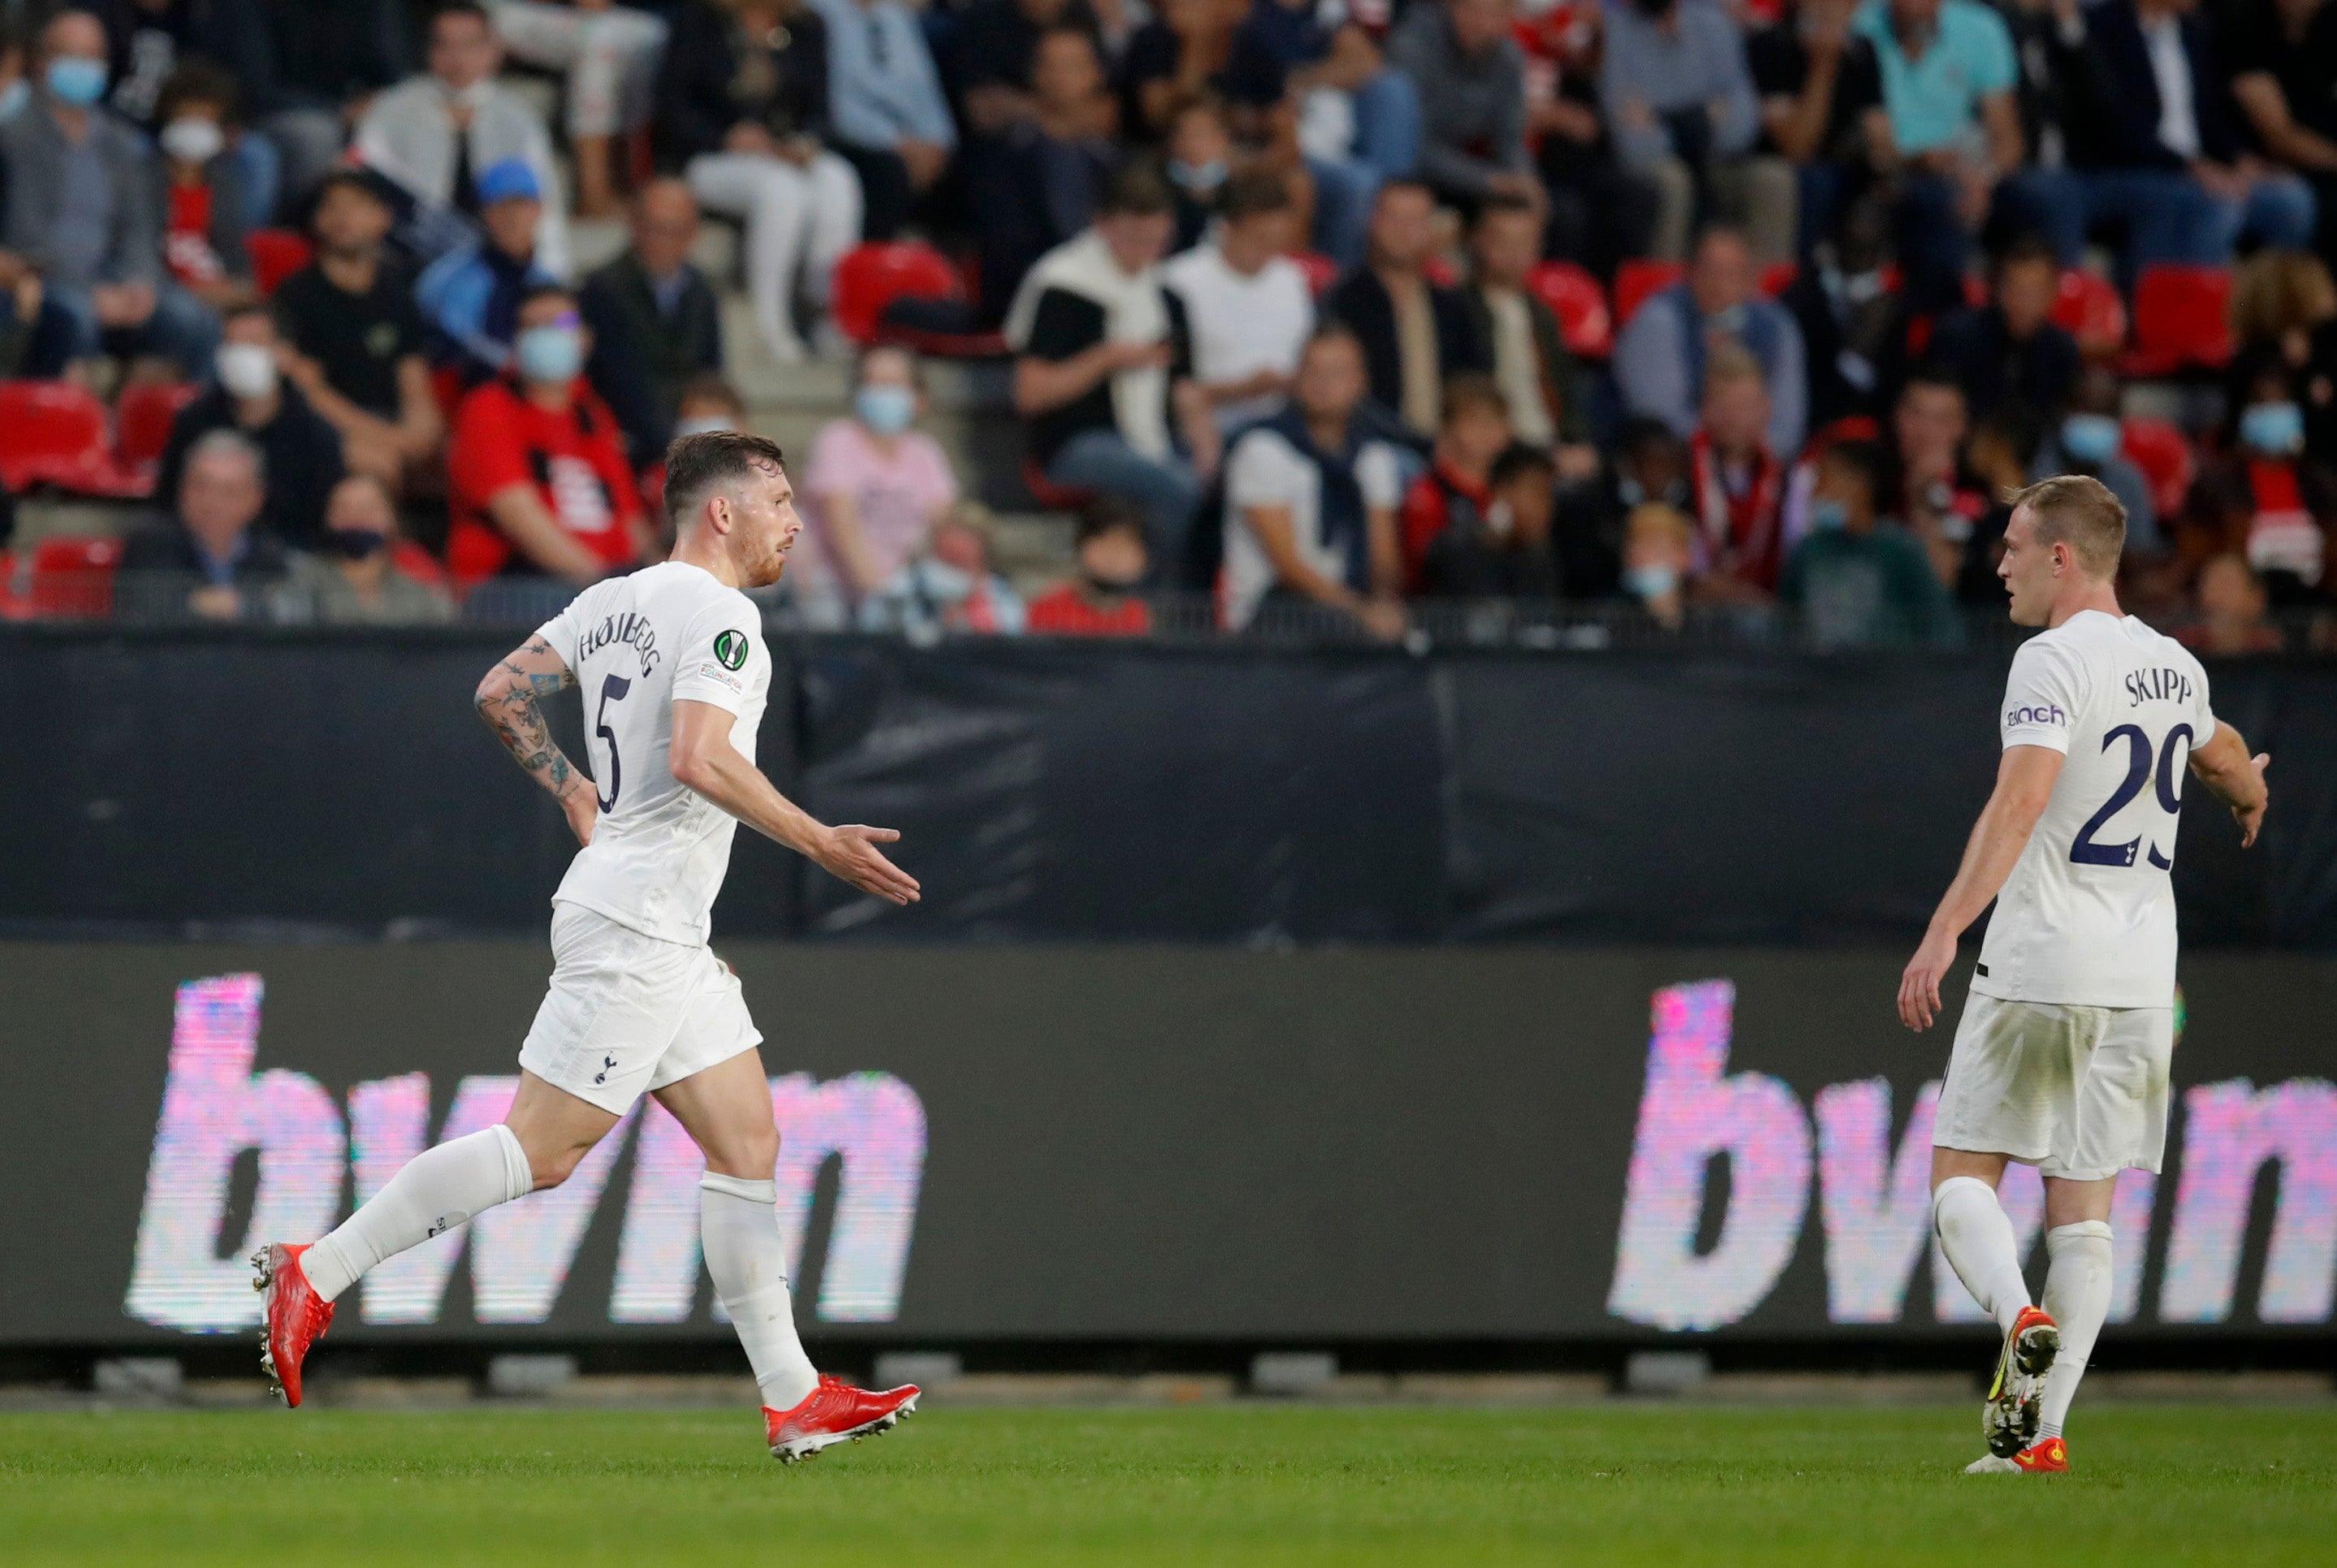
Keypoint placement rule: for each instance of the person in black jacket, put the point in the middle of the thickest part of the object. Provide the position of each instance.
(2176, 181)
(656, 324)
(1414, 333)
(2008, 351)
(207, 560)
(249, 395)
(743, 113)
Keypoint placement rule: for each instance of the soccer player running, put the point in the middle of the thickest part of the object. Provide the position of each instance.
(2061, 1058)
(674, 674)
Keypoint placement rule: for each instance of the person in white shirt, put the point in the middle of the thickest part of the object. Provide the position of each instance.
(1247, 304)
(1311, 502)
(674, 673)
(2061, 1058)
(436, 134)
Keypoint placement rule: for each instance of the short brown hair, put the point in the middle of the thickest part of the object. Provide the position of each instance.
(2078, 511)
(1251, 192)
(695, 465)
(1473, 392)
(1136, 189)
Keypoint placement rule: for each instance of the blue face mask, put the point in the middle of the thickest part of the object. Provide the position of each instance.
(1652, 581)
(78, 81)
(2090, 438)
(1198, 176)
(2274, 429)
(886, 410)
(552, 354)
(1829, 516)
(12, 99)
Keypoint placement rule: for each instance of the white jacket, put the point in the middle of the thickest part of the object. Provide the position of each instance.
(408, 135)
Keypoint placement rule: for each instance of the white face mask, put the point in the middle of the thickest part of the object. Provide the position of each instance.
(192, 140)
(245, 369)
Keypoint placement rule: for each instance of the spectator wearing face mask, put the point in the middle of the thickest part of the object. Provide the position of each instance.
(536, 473)
(437, 135)
(2089, 439)
(1656, 558)
(349, 576)
(2266, 498)
(874, 486)
(1591, 533)
(248, 393)
(948, 585)
(1104, 598)
(200, 188)
(1857, 579)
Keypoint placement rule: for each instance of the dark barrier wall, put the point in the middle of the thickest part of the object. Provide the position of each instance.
(1098, 792)
(1366, 1144)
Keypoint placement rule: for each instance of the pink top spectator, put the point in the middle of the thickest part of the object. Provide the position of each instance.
(894, 497)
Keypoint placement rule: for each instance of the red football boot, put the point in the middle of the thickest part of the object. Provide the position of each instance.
(2049, 1457)
(832, 1413)
(2008, 1419)
(292, 1318)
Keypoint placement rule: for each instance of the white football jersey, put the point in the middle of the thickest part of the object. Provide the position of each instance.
(2087, 917)
(636, 644)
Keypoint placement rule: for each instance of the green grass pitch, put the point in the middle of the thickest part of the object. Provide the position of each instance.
(1604, 1484)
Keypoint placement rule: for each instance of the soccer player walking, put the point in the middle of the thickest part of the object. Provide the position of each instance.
(674, 674)
(2061, 1058)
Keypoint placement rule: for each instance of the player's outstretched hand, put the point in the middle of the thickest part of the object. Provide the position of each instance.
(2250, 817)
(851, 853)
(1918, 987)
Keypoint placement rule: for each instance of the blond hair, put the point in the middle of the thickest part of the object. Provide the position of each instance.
(2277, 292)
(2078, 511)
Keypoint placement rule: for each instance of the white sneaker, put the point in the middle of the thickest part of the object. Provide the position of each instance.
(1992, 1464)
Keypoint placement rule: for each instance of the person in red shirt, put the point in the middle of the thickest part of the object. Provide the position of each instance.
(1457, 489)
(539, 481)
(1737, 484)
(1101, 601)
(205, 224)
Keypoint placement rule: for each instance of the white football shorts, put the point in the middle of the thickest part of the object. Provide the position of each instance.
(627, 1014)
(2079, 1093)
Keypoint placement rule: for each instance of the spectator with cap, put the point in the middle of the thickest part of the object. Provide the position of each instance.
(1660, 359)
(1104, 598)
(348, 575)
(1952, 131)
(1857, 579)
(437, 135)
(207, 560)
(354, 340)
(608, 57)
(655, 323)
(1413, 332)
(1311, 502)
(2009, 352)
(1539, 380)
(199, 188)
(743, 112)
(306, 70)
(1246, 303)
(81, 211)
(248, 393)
(1677, 95)
(892, 120)
(875, 485)
(471, 297)
(1102, 374)
(536, 473)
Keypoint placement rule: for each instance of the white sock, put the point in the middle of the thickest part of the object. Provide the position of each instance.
(1977, 1241)
(2077, 1293)
(739, 1225)
(438, 1189)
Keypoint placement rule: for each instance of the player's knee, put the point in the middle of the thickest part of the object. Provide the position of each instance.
(750, 1155)
(555, 1166)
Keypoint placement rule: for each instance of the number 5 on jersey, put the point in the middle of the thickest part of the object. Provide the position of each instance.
(612, 689)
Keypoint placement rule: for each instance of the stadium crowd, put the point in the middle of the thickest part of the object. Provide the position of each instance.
(1692, 308)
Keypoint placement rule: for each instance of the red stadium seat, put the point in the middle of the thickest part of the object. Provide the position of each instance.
(2165, 460)
(2090, 309)
(1050, 495)
(14, 605)
(1635, 280)
(2181, 320)
(1777, 277)
(142, 423)
(276, 255)
(1439, 272)
(54, 433)
(1575, 298)
(72, 577)
(871, 277)
(1320, 270)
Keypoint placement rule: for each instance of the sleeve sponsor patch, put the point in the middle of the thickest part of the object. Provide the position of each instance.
(720, 677)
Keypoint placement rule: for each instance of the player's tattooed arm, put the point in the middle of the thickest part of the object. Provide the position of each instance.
(510, 699)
